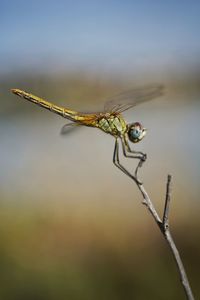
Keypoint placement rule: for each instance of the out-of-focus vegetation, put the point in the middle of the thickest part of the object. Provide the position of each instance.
(73, 227)
(49, 254)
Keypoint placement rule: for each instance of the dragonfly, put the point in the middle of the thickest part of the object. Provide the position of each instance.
(110, 121)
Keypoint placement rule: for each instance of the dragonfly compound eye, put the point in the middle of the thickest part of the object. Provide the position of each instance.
(136, 132)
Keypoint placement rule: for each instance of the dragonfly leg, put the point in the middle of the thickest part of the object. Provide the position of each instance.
(128, 152)
(119, 165)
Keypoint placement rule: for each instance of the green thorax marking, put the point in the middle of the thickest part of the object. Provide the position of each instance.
(112, 124)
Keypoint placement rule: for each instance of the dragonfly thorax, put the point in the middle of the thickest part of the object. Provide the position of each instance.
(113, 124)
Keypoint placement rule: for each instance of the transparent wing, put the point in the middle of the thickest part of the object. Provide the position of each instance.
(69, 128)
(133, 97)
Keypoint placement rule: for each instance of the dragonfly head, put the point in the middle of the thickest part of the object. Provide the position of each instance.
(136, 132)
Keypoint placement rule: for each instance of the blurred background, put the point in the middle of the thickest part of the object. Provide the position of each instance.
(72, 226)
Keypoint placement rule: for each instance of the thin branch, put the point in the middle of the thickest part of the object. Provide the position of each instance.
(165, 230)
(167, 202)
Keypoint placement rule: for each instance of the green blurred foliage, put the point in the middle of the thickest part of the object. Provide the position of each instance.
(44, 255)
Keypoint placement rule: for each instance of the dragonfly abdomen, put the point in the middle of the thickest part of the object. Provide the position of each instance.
(66, 113)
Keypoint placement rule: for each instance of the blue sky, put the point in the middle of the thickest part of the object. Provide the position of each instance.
(98, 34)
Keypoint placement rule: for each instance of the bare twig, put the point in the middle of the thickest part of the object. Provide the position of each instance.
(167, 202)
(165, 230)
